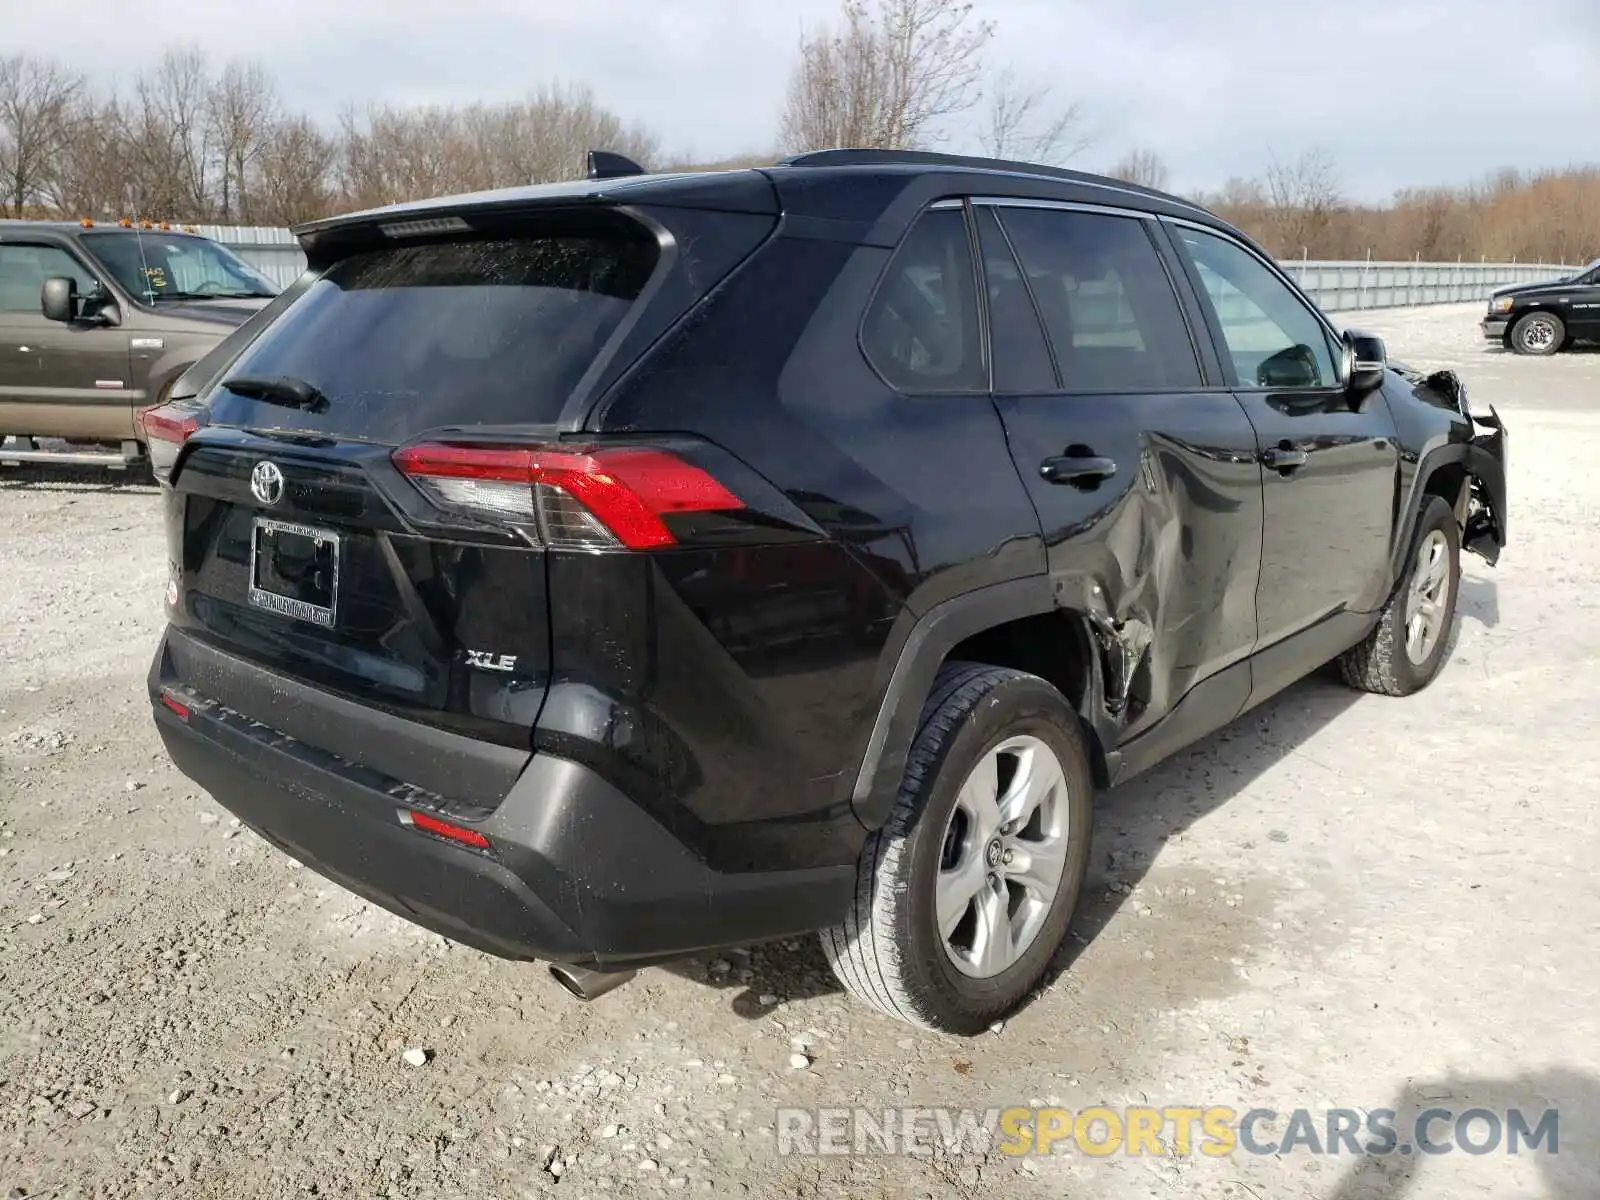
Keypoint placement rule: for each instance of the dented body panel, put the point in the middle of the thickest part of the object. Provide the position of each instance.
(1165, 555)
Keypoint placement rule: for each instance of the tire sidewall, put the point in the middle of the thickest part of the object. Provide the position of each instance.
(1518, 333)
(1435, 515)
(1023, 705)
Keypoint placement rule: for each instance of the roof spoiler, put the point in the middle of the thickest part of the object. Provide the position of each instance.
(605, 164)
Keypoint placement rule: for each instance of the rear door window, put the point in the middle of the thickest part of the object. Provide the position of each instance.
(1021, 358)
(483, 331)
(1107, 303)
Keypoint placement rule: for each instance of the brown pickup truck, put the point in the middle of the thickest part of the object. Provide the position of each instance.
(96, 324)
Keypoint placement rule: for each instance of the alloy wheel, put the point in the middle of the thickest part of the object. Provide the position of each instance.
(1003, 855)
(1427, 604)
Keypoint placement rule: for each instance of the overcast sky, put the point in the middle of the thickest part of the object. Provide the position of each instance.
(1400, 92)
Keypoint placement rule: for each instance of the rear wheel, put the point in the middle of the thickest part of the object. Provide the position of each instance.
(965, 895)
(1538, 333)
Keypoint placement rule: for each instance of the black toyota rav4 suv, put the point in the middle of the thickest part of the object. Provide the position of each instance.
(606, 572)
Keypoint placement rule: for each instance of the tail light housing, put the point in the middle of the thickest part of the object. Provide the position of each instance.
(166, 428)
(584, 498)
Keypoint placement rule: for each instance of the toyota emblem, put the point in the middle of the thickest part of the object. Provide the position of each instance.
(266, 482)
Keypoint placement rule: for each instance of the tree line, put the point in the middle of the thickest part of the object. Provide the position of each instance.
(191, 140)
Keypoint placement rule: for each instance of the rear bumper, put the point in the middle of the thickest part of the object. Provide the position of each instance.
(576, 872)
(1494, 328)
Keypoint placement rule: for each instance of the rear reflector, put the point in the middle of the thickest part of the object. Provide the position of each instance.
(444, 829)
(584, 499)
(175, 705)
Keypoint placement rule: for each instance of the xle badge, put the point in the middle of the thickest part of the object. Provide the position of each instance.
(491, 662)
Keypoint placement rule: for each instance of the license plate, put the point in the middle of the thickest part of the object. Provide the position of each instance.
(294, 570)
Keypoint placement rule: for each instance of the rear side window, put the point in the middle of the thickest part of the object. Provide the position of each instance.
(1107, 303)
(411, 337)
(921, 330)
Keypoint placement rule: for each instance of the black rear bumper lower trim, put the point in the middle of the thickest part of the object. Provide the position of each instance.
(576, 872)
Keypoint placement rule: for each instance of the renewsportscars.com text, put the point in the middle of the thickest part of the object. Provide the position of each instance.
(1215, 1131)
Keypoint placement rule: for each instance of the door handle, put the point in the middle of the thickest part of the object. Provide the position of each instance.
(1084, 472)
(1284, 458)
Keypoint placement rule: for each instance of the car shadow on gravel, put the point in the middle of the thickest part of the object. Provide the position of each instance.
(1479, 601)
(82, 479)
(1134, 822)
(1564, 1147)
(781, 971)
(1146, 811)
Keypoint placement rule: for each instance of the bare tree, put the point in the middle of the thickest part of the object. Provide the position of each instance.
(292, 174)
(388, 155)
(170, 139)
(241, 112)
(1144, 167)
(1021, 124)
(92, 165)
(1302, 199)
(888, 77)
(36, 99)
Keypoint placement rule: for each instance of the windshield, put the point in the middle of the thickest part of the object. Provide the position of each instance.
(167, 266)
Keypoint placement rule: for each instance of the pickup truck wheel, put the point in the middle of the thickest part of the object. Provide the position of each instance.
(1408, 645)
(1538, 333)
(964, 896)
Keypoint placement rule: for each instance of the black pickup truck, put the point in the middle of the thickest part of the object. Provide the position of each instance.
(1544, 317)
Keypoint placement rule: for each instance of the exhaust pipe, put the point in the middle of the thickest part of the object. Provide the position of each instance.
(586, 984)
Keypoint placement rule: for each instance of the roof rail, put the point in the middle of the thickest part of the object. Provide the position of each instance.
(606, 164)
(930, 158)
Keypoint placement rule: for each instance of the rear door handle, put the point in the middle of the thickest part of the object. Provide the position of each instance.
(1283, 458)
(1086, 472)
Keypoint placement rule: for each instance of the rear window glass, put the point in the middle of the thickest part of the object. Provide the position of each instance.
(481, 332)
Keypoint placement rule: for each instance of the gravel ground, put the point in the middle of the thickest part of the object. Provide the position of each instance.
(1339, 901)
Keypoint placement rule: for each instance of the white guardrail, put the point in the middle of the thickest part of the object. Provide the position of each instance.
(1336, 286)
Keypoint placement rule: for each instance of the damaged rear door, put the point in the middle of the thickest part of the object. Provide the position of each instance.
(1142, 468)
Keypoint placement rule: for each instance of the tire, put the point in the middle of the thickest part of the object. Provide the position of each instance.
(1538, 333)
(1384, 662)
(890, 950)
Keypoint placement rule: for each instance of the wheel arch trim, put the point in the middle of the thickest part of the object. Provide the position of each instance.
(1480, 464)
(926, 646)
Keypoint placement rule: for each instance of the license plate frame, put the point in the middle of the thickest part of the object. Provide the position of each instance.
(294, 607)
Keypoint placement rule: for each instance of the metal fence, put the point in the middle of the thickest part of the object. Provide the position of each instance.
(1344, 286)
(1336, 286)
(272, 251)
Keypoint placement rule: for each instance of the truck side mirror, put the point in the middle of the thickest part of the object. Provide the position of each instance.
(59, 300)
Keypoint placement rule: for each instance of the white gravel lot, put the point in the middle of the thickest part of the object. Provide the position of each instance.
(1339, 901)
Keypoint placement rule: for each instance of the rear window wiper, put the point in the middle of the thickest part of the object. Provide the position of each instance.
(283, 389)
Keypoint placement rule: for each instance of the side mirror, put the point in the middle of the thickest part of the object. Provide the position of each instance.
(59, 299)
(1365, 363)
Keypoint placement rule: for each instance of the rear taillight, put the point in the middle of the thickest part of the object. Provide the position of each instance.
(166, 428)
(596, 498)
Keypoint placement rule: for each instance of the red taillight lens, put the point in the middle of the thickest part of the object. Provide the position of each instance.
(584, 499)
(444, 829)
(166, 428)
